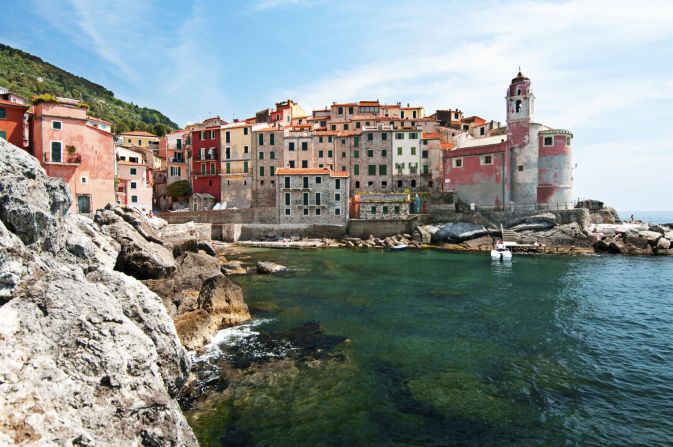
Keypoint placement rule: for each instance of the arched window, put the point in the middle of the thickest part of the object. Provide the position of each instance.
(518, 105)
(518, 92)
(357, 184)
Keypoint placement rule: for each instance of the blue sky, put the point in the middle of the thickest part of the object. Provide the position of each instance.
(601, 69)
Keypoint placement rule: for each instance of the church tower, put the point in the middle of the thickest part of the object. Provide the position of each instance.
(520, 99)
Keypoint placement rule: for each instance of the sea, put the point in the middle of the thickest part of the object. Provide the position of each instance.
(655, 217)
(436, 348)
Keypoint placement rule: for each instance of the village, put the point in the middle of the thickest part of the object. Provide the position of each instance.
(356, 161)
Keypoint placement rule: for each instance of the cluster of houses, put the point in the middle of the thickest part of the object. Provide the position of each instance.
(361, 159)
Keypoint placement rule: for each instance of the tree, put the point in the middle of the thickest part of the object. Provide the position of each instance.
(179, 189)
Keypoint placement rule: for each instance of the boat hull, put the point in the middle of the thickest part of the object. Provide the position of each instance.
(498, 255)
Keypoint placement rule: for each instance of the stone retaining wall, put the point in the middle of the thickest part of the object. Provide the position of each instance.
(256, 232)
(267, 215)
(492, 218)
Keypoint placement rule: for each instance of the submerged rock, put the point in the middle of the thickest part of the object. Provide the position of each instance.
(265, 267)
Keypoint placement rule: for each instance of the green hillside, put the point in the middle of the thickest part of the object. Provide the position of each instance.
(28, 75)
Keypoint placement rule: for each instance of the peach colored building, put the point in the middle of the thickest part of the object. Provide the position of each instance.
(139, 138)
(134, 178)
(172, 148)
(78, 153)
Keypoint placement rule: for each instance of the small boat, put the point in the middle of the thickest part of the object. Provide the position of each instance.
(399, 247)
(501, 254)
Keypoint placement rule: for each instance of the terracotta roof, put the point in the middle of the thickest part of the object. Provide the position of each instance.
(326, 133)
(431, 136)
(347, 104)
(139, 133)
(350, 133)
(10, 103)
(447, 146)
(311, 171)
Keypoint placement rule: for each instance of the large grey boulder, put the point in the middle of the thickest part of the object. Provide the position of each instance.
(457, 232)
(534, 226)
(88, 355)
(546, 218)
(265, 267)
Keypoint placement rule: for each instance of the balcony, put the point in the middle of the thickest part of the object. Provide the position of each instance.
(177, 160)
(68, 159)
(207, 156)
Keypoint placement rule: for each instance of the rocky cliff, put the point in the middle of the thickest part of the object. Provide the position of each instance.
(88, 354)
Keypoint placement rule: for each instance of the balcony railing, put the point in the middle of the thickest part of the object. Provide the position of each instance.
(177, 159)
(73, 158)
(201, 157)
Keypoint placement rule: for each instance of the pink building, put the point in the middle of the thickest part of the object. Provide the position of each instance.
(134, 178)
(79, 153)
(527, 164)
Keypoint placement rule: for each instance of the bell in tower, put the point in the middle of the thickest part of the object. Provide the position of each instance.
(520, 99)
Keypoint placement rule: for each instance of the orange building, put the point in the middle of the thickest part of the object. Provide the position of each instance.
(80, 154)
(13, 121)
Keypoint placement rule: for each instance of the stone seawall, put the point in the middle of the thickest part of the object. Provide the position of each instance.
(267, 215)
(493, 218)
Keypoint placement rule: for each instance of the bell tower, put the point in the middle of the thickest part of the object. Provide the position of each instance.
(520, 99)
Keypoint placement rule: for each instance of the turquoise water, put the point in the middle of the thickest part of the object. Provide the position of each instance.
(655, 217)
(451, 349)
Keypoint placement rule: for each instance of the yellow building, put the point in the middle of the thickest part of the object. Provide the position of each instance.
(236, 144)
(138, 138)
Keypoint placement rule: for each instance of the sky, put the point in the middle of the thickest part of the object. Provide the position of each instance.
(602, 69)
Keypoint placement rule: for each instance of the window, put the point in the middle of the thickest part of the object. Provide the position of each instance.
(337, 184)
(305, 211)
(373, 210)
(520, 168)
(399, 183)
(261, 171)
(413, 183)
(350, 110)
(370, 153)
(260, 138)
(399, 136)
(357, 125)
(304, 164)
(385, 210)
(343, 155)
(396, 209)
(333, 126)
(487, 159)
(272, 171)
(457, 162)
(383, 169)
(83, 180)
(319, 139)
(518, 105)
(345, 126)
(384, 136)
(317, 198)
(356, 169)
(228, 168)
(371, 169)
(318, 180)
(329, 154)
(287, 182)
(212, 134)
(426, 169)
(384, 185)
(357, 184)
(3, 113)
(413, 136)
(134, 199)
(291, 145)
(305, 198)
(466, 127)
(3, 134)
(337, 197)
(356, 154)
(227, 153)
(245, 131)
(548, 141)
(287, 211)
(304, 182)
(134, 185)
(212, 168)
(203, 169)
(227, 137)
(329, 139)
(399, 151)
(370, 136)
(291, 162)
(56, 151)
(272, 155)
(287, 198)
(337, 211)
(356, 141)
(245, 167)
(568, 141)
(56, 125)
(413, 151)
(304, 145)
(261, 155)
(321, 154)
(133, 171)
(317, 211)
(384, 153)
(482, 131)
(402, 114)
(343, 141)
(424, 154)
(272, 139)
(340, 111)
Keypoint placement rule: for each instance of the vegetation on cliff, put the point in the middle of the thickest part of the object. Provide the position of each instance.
(28, 76)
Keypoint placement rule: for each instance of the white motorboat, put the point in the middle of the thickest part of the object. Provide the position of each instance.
(399, 247)
(501, 252)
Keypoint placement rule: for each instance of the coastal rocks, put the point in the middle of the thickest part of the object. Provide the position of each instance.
(598, 212)
(144, 260)
(265, 267)
(458, 232)
(88, 355)
(233, 268)
(663, 244)
(632, 239)
(386, 242)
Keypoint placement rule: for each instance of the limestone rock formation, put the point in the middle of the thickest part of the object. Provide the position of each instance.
(458, 232)
(88, 355)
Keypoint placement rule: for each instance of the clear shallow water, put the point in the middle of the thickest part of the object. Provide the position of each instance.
(450, 349)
